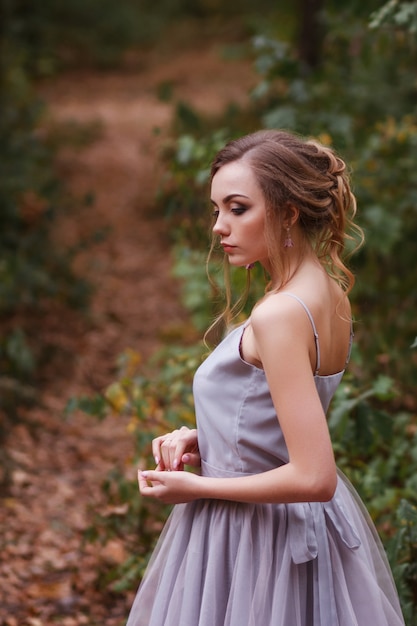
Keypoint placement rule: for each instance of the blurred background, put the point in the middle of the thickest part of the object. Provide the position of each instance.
(110, 115)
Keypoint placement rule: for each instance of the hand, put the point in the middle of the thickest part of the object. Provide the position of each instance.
(174, 450)
(169, 487)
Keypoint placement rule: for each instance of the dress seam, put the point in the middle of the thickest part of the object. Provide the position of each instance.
(239, 415)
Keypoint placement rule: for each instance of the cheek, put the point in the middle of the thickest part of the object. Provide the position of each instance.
(258, 231)
(261, 238)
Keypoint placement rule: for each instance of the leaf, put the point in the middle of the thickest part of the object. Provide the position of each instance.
(407, 512)
(383, 388)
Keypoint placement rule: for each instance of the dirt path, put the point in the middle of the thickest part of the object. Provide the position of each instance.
(47, 575)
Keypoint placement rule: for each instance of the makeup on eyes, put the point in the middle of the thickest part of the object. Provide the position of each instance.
(239, 210)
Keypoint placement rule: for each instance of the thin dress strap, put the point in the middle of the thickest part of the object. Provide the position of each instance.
(350, 343)
(316, 335)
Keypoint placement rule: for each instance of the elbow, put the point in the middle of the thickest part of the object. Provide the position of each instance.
(324, 488)
(320, 486)
(326, 493)
(313, 484)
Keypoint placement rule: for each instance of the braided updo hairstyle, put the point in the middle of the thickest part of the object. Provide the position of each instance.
(311, 177)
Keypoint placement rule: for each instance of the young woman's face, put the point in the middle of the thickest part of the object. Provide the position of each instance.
(240, 213)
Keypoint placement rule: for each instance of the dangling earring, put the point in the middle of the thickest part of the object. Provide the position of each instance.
(288, 243)
(249, 266)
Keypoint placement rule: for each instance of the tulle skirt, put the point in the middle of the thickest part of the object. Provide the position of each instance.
(221, 563)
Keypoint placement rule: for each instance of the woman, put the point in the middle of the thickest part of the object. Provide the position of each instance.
(269, 534)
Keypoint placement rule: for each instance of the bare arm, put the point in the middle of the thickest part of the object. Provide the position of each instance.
(282, 340)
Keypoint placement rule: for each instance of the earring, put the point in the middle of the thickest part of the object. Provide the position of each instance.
(288, 243)
(249, 266)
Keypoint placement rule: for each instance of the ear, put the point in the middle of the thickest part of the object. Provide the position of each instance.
(292, 215)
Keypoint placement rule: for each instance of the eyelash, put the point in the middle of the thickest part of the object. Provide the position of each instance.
(235, 211)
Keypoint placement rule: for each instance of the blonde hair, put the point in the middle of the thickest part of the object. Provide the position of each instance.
(293, 172)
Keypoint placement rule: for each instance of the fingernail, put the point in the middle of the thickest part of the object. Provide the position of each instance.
(157, 460)
(186, 458)
(144, 473)
(175, 464)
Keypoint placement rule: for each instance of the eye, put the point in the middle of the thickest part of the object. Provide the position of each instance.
(215, 214)
(239, 210)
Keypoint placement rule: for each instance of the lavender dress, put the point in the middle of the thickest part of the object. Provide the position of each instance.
(220, 563)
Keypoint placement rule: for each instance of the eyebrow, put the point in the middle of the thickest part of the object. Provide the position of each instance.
(227, 199)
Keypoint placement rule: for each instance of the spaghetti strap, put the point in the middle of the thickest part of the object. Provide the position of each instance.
(352, 334)
(316, 336)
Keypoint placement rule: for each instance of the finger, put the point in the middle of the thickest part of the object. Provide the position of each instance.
(156, 450)
(166, 454)
(161, 448)
(191, 459)
(185, 440)
(143, 483)
(147, 480)
(178, 453)
(172, 448)
(151, 476)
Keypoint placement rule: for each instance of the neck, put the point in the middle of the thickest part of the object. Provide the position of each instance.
(293, 261)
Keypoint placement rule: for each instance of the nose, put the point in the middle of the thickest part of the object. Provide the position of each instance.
(221, 226)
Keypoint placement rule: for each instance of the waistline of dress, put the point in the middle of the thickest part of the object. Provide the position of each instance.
(220, 472)
(307, 522)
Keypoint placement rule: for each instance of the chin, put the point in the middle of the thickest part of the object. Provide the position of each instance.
(238, 262)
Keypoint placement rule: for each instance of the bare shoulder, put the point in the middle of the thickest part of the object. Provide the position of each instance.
(279, 327)
(280, 324)
(279, 314)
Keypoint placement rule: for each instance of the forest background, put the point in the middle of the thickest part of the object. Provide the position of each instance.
(344, 75)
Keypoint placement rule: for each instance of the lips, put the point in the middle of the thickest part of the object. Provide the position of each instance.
(227, 247)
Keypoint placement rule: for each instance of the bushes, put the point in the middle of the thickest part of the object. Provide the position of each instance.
(33, 271)
(55, 35)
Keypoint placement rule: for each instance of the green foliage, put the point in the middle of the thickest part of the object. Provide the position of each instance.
(34, 272)
(52, 35)
(387, 192)
(197, 295)
(126, 516)
(183, 193)
(402, 552)
(397, 12)
(202, 286)
(377, 450)
(157, 398)
(15, 355)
